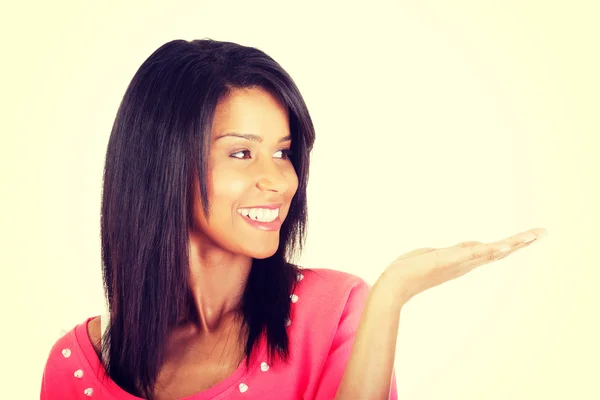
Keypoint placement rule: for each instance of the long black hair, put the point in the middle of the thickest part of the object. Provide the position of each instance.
(158, 145)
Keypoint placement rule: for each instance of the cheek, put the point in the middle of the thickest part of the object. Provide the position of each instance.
(227, 188)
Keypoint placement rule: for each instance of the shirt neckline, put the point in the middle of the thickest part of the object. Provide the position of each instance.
(115, 391)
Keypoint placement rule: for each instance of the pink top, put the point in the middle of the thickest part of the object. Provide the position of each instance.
(326, 310)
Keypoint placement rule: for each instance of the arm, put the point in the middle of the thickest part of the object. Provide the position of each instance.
(341, 347)
(367, 375)
(369, 372)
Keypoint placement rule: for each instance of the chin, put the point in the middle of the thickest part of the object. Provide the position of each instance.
(262, 252)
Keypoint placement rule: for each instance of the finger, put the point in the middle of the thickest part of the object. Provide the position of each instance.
(513, 244)
(508, 245)
(521, 240)
(526, 236)
(484, 251)
(518, 245)
(468, 266)
(451, 257)
(480, 257)
(473, 253)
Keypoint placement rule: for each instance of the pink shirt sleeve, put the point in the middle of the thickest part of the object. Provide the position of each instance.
(339, 354)
(59, 380)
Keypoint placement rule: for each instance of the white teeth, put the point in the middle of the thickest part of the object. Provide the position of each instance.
(259, 214)
(254, 213)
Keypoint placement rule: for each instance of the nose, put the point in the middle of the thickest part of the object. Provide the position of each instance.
(271, 177)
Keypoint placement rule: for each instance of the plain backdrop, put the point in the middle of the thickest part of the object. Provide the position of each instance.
(436, 122)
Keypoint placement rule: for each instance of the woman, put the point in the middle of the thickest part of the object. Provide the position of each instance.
(203, 207)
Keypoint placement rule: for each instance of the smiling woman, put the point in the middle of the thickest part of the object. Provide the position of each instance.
(203, 211)
(252, 179)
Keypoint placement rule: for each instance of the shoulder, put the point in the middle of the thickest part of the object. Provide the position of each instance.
(66, 364)
(321, 283)
(324, 319)
(324, 296)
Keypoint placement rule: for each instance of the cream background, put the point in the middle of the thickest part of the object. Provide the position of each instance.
(436, 121)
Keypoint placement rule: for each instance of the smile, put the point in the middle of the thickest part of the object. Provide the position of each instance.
(260, 214)
(264, 219)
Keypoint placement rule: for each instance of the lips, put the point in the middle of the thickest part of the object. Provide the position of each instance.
(270, 206)
(259, 214)
(264, 217)
(263, 226)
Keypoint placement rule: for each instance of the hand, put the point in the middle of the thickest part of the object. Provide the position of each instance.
(421, 269)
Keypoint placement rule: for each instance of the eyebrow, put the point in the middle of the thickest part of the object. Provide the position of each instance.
(251, 137)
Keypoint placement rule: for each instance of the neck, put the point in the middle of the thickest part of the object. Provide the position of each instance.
(217, 282)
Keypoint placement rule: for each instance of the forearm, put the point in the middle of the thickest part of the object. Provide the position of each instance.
(369, 371)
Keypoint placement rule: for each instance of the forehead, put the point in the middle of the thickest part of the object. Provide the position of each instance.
(252, 110)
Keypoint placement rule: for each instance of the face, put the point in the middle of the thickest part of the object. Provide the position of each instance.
(251, 180)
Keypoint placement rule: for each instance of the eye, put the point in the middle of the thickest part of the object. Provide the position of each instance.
(245, 154)
(285, 154)
(242, 152)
